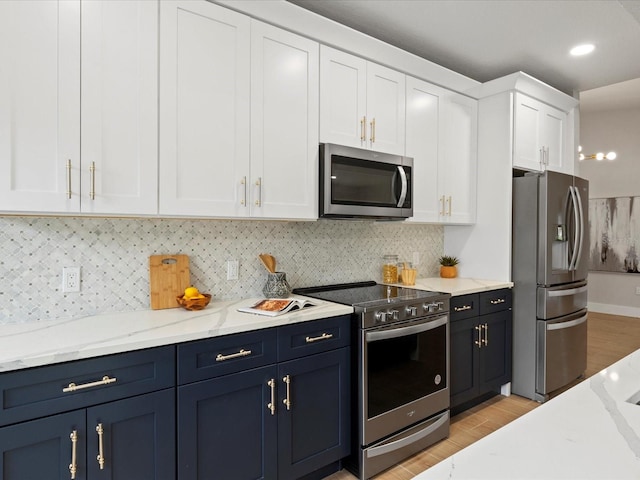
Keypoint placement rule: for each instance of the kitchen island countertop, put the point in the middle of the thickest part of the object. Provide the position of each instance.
(591, 431)
(53, 341)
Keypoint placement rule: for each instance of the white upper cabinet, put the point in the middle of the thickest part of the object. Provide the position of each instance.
(362, 104)
(119, 102)
(284, 124)
(40, 106)
(222, 155)
(204, 110)
(539, 132)
(49, 95)
(442, 140)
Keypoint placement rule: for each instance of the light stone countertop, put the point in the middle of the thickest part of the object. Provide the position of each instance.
(42, 343)
(590, 431)
(458, 286)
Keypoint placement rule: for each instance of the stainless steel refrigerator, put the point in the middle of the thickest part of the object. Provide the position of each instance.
(549, 271)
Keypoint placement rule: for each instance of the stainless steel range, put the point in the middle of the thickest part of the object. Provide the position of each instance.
(401, 352)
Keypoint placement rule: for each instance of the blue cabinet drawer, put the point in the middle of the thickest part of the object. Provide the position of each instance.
(217, 356)
(307, 338)
(37, 392)
(495, 301)
(465, 306)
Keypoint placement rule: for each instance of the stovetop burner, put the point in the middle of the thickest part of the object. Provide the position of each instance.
(381, 303)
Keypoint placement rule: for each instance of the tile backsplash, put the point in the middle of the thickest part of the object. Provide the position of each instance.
(113, 254)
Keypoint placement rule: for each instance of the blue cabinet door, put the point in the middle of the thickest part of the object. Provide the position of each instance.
(226, 428)
(314, 431)
(43, 449)
(138, 438)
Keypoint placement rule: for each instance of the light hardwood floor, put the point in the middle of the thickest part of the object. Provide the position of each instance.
(609, 338)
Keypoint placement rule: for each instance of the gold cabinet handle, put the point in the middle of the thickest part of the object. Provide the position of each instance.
(106, 380)
(73, 466)
(324, 336)
(69, 179)
(373, 130)
(259, 185)
(100, 456)
(462, 308)
(363, 129)
(498, 301)
(478, 342)
(287, 400)
(486, 335)
(243, 182)
(272, 404)
(449, 205)
(241, 353)
(92, 189)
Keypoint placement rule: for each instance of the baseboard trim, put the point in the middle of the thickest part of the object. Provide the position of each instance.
(614, 309)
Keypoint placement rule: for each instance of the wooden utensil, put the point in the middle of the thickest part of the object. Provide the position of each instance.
(268, 261)
(168, 277)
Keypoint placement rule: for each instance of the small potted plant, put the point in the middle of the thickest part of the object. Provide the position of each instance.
(448, 267)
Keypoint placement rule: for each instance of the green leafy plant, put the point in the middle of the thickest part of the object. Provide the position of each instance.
(448, 261)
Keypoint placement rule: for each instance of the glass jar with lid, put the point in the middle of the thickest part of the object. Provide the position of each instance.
(390, 269)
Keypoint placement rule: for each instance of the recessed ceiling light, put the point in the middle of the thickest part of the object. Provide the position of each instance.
(582, 49)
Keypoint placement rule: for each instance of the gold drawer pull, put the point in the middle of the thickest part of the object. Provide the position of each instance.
(462, 309)
(287, 401)
(73, 466)
(241, 353)
(106, 380)
(324, 336)
(497, 302)
(100, 457)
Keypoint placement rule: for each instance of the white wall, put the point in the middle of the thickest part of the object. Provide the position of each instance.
(603, 131)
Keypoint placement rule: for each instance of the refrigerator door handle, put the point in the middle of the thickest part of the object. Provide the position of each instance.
(576, 234)
(566, 293)
(569, 324)
(581, 226)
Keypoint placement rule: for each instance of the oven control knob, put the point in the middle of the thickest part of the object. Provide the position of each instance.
(381, 316)
(413, 311)
(430, 307)
(394, 314)
(440, 306)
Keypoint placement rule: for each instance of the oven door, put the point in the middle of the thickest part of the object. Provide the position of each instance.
(404, 372)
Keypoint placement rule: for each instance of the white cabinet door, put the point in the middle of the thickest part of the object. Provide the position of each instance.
(284, 124)
(422, 144)
(40, 106)
(362, 104)
(204, 110)
(458, 160)
(539, 131)
(386, 109)
(119, 107)
(343, 98)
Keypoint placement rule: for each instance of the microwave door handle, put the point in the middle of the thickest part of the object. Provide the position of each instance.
(580, 226)
(403, 179)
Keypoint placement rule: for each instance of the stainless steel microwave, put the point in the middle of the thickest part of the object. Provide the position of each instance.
(358, 183)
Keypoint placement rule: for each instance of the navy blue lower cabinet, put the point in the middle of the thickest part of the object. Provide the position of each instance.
(44, 448)
(134, 438)
(227, 427)
(313, 421)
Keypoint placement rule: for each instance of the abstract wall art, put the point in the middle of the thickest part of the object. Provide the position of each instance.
(614, 233)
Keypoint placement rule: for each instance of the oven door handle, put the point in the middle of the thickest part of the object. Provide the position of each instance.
(376, 335)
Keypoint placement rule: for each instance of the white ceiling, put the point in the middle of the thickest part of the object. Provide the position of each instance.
(486, 39)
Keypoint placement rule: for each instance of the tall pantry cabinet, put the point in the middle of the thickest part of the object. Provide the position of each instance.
(239, 115)
(78, 106)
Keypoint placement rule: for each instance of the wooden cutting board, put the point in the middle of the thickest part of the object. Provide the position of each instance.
(168, 277)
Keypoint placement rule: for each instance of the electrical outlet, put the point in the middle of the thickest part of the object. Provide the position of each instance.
(416, 259)
(232, 269)
(637, 290)
(70, 279)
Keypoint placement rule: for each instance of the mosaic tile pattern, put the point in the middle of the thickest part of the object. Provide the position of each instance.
(114, 256)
